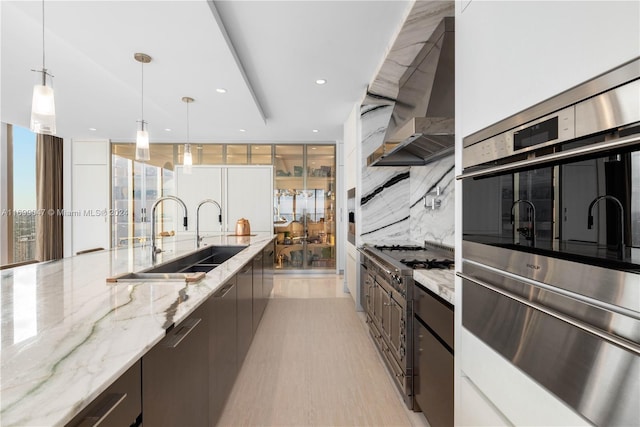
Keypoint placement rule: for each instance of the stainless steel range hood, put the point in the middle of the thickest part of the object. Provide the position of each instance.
(421, 129)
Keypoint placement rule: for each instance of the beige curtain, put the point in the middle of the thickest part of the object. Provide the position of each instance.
(49, 233)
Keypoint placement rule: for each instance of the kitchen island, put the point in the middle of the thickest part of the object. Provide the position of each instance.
(67, 334)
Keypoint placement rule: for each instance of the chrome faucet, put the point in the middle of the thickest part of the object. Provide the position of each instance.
(590, 218)
(198, 238)
(529, 234)
(154, 248)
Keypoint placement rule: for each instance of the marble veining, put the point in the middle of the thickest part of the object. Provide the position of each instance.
(373, 124)
(67, 334)
(384, 204)
(435, 225)
(440, 282)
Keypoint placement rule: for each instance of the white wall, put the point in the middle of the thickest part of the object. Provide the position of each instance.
(509, 56)
(351, 138)
(513, 54)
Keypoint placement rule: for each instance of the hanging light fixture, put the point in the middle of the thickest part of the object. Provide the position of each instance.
(142, 137)
(43, 107)
(188, 157)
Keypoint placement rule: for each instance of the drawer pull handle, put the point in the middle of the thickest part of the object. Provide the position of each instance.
(184, 330)
(104, 408)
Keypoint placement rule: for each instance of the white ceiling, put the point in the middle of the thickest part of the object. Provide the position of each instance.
(282, 46)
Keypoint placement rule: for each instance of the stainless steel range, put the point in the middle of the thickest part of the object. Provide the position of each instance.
(387, 295)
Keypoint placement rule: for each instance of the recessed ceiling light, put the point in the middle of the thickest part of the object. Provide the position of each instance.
(242, 130)
(93, 129)
(315, 131)
(167, 130)
(321, 81)
(313, 148)
(221, 90)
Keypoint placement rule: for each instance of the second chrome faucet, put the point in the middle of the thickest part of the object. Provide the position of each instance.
(198, 238)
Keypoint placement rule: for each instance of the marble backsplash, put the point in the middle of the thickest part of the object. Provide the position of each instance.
(434, 225)
(384, 203)
(391, 205)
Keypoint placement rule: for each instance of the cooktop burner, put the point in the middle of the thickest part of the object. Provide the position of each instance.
(417, 256)
(428, 263)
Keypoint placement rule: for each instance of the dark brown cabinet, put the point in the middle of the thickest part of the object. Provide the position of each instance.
(259, 301)
(175, 375)
(245, 310)
(222, 347)
(119, 405)
(433, 357)
(268, 269)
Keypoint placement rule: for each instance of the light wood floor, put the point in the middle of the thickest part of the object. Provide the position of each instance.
(312, 363)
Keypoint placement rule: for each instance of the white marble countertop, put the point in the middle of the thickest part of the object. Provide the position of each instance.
(66, 334)
(438, 281)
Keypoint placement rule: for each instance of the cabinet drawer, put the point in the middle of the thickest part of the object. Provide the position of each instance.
(437, 314)
(119, 405)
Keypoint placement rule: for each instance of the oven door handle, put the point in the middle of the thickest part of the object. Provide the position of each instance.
(627, 345)
(561, 155)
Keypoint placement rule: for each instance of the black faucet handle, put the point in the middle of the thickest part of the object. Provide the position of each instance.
(590, 222)
(220, 218)
(185, 222)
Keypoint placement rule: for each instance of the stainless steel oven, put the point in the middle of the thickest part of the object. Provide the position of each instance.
(551, 243)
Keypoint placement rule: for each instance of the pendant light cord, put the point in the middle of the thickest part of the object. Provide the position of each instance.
(44, 70)
(188, 124)
(142, 94)
(43, 34)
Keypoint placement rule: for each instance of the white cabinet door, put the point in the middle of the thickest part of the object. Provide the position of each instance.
(250, 195)
(90, 207)
(204, 182)
(90, 219)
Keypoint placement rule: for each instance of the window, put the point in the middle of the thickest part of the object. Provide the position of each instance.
(24, 194)
(19, 210)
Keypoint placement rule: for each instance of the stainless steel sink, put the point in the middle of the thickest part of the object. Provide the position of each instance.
(189, 268)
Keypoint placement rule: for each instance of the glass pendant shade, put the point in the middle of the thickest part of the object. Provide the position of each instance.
(142, 137)
(43, 109)
(188, 159)
(142, 145)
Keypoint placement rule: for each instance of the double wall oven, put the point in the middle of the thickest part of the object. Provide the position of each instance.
(387, 290)
(551, 244)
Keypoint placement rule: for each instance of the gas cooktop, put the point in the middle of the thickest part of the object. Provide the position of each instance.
(418, 256)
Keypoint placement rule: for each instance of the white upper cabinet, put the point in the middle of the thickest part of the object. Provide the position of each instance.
(242, 192)
(250, 196)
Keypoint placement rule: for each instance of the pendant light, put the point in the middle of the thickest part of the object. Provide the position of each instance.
(188, 157)
(142, 137)
(43, 107)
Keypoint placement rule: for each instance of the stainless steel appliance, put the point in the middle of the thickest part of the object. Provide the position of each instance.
(387, 288)
(551, 244)
(421, 129)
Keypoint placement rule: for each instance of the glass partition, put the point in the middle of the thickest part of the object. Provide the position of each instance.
(304, 211)
(303, 199)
